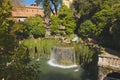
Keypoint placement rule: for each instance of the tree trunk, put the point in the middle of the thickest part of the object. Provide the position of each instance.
(47, 25)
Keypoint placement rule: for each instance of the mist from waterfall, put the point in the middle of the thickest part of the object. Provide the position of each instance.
(62, 57)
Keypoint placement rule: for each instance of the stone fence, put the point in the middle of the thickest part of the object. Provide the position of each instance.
(109, 61)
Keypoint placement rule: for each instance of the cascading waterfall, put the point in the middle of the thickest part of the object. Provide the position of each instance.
(63, 57)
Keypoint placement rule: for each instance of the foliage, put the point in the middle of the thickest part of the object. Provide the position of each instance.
(43, 46)
(64, 19)
(20, 30)
(46, 6)
(7, 39)
(67, 19)
(116, 33)
(7, 47)
(88, 59)
(13, 57)
(55, 24)
(32, 70)
(116, 27)
(69, 23)
(36, 26)
(64, 11)
(88, 29)
(22, 67)
(18, 63)
(85, 8)
(104, 18)
(49, 6)
(5, 13)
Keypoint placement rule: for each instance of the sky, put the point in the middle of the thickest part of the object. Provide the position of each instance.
(28, 2)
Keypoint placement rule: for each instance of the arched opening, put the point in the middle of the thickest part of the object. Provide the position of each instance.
(113, 76)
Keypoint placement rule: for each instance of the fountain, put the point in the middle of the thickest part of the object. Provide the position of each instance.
(62, 57)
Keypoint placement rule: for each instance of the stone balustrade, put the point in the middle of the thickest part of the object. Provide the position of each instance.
(110, 61)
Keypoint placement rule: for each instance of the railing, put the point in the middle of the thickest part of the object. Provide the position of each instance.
(109, 61)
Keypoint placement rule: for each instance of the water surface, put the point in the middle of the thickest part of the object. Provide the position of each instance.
(54, 73)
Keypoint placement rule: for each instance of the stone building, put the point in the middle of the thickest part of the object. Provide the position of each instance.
(22, 12)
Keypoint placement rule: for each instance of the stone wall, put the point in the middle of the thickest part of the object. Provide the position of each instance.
(22, 12)
(107, 64)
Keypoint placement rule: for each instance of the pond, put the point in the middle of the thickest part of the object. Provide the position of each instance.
(54, 73)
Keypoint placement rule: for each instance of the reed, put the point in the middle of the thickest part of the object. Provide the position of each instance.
(39, 47)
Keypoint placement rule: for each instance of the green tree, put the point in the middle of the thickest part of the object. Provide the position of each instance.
(116, 26)
(36, 26)
(32, 70)
(49, 6)
(87, 56)
(88, 29)
(7, 40)
(107, 21)
(20, 59)
(84, 10)
(55, 24)
(20, 30)
(103, 16)
(9, 48)
(69, 24)
(5, 13)
(64, 19)
(67, 19)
